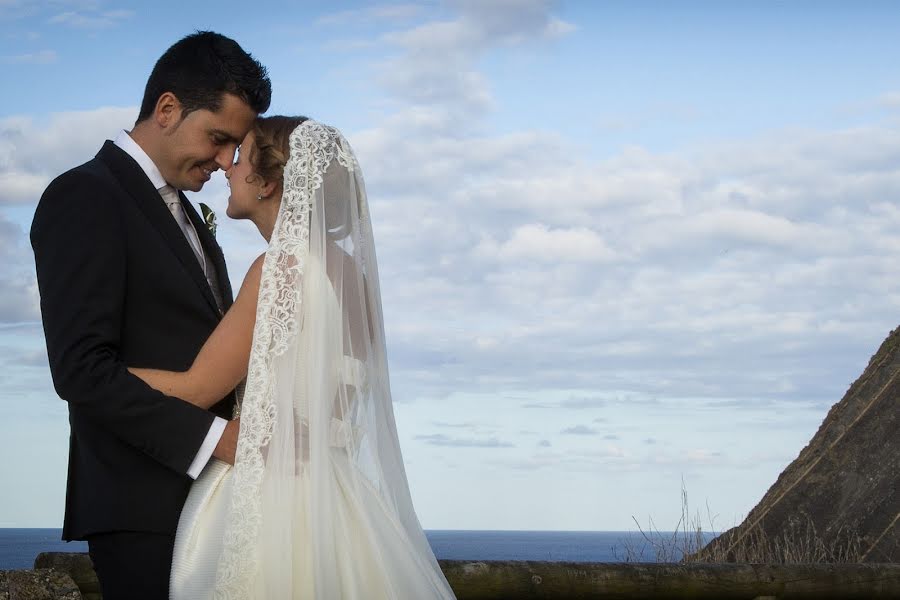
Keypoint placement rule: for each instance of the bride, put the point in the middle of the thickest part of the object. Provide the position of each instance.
(317, 504)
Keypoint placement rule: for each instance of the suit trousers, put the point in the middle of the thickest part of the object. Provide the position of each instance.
(132, 565)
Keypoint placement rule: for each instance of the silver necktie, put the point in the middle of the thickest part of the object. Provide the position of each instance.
(172, 200)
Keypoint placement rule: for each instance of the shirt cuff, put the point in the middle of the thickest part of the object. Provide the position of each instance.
(207, 448)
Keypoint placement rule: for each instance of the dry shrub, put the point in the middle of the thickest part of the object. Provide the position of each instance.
(797, 543)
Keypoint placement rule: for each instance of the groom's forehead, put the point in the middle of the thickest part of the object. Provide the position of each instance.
(233, 119)
(216, 125)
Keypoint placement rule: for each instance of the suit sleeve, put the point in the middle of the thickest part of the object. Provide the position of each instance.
(80, 255)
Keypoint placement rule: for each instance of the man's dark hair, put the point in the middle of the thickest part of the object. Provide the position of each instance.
(199, 68)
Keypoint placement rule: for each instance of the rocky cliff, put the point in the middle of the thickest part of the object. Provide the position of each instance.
(841, 492)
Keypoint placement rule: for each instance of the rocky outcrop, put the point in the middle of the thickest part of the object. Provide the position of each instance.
(841, 494)
(76, 565)
(40, 584)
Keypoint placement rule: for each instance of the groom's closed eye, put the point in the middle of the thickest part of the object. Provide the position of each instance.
(220, 138)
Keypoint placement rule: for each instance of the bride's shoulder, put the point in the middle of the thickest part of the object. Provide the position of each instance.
(251, 279)
(257, 265)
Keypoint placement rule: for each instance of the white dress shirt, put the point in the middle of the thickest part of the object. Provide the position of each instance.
(124, 141)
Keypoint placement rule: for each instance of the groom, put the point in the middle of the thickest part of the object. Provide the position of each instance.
(129, 275)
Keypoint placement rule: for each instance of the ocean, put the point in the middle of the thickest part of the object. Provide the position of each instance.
(19, 547)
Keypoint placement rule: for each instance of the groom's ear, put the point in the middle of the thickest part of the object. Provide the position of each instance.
(168, 110)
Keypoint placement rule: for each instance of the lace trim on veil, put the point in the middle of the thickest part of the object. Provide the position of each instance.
(313, 147)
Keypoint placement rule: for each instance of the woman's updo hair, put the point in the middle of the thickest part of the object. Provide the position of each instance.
(272, 146)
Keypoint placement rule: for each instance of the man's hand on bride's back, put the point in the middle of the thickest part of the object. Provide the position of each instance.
(227, 445)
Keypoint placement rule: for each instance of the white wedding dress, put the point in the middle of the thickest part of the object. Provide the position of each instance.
(317, 505)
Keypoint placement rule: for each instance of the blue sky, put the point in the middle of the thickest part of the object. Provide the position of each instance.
(622, 244)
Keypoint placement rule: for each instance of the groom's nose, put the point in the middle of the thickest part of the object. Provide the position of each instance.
(225, 156)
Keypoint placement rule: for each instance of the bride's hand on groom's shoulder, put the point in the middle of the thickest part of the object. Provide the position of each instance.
(227, 445)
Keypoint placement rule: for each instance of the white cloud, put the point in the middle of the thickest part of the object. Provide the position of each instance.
(439, 439)
(91, 19)
(90, 9)
(536, 242)
(386, 12)
(437, 65)
(33, 152)
(18, 299)
(579, 430)
(42, 57)
(718, 270)
(21, 187)
(584, 402)
(29, 359)
(13, 9)
(512, 21)
(890, 100)
(730, 228)
(18, 288)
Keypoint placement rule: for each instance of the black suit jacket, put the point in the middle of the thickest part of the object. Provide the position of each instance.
(121, 287)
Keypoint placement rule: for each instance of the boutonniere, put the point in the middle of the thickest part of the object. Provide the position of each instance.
(209, 217)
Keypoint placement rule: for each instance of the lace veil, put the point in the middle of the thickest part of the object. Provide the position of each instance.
(320, 504)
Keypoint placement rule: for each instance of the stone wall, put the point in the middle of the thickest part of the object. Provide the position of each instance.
(523, 580)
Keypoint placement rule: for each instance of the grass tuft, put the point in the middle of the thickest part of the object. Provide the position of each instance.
(798, 543)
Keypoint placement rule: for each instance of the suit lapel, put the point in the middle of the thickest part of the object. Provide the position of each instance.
(135, 183)
(212, 249)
